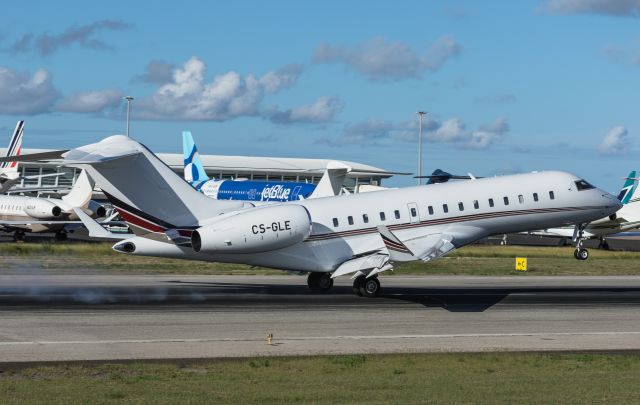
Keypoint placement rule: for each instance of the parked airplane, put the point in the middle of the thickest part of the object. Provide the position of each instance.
(626, 219)
(9, 174)
(360, 234)
(21, 214)
(257, 191)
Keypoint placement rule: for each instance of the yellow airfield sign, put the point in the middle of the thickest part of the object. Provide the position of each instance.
(521, 263)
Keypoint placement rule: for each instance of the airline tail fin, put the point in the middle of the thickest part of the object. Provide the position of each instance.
(148, 194)
(331, 182)
(81, 192)
(193, 168)
(629, 188)
(15, 144)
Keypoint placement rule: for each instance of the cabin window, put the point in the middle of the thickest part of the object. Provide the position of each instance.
(521, 199)
(350, 220)
(476, 205)
(365, 218)
(506, 200)
(460, 206)
(414, 212)
(397, 214)
(382, 216)
(552, 196)
(335, 222)
(535, 196)
(445, 208)
(490, 202)
(430, 208)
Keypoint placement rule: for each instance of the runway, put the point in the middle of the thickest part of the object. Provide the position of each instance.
(110, 317)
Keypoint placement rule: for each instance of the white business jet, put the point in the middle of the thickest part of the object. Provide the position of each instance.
(357, 234)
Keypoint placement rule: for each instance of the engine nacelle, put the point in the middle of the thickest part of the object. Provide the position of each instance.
(256, 230)
(95, 210)
(41, 209)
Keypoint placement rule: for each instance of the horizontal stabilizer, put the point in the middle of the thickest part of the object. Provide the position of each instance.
(96, 230)
(33, 157)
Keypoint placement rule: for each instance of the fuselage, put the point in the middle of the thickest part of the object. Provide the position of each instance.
(346, 226)
(254, 191)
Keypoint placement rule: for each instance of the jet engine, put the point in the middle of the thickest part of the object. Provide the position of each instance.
(95, 210)
(41, 209)
(255, 230)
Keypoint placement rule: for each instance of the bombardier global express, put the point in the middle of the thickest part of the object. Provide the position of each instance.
(360, 234)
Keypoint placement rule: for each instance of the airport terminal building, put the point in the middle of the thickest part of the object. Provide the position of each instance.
(218, 167)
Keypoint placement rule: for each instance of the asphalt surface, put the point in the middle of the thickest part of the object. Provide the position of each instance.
(93, 317)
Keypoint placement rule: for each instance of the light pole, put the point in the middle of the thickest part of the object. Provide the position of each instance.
(129, 100)
(421, 114)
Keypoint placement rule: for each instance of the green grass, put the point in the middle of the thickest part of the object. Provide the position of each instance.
(496, 378)
(470, 260)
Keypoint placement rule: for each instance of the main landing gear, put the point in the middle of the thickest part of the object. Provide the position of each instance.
(319, 282)
(366, 287)
(18, 236)
(61, 236)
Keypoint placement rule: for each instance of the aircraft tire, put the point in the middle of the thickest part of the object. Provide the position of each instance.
(61, 236)
(370, 288)
(582, 254)
(358, 283)
(319, 282)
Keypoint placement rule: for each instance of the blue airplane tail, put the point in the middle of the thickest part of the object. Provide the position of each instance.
(193, 168)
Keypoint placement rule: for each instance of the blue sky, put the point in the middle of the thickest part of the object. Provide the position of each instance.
(509, 86)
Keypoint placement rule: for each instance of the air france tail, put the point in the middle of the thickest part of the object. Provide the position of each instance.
(14, 148)
(193, 168)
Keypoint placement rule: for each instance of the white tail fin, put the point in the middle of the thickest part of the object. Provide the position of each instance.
(148, 194)
(331, 182)
(81, 192)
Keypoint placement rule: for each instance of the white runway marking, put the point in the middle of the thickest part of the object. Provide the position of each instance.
(302, 338)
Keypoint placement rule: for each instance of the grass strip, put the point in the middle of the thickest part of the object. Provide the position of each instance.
(482, 378)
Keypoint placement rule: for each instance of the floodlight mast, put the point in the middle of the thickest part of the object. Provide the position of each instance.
(421, 115)
(129, 100)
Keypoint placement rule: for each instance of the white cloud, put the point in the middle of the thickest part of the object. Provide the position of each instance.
(91, 102)
(452, 131)
(615, 142)
(321, 111)
(378, 59)
(187, 96)
(617, 8)
(21, 94)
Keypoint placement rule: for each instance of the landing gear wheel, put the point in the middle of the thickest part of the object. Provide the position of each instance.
(370, 288)
(18, 236)
(581, 254)
(319, 282)
(61, 236)
(358, 285)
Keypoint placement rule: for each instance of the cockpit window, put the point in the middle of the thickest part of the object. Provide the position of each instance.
(583, 185)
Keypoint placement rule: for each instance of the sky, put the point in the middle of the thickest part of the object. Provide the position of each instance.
(509, 87)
